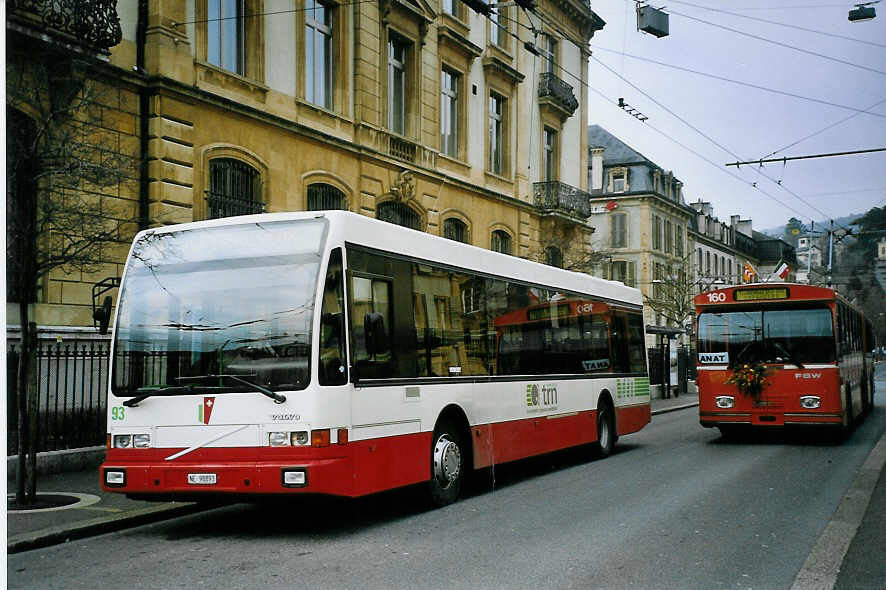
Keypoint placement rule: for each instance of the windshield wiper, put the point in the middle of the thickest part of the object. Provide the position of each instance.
(146, 392)
(787, 354)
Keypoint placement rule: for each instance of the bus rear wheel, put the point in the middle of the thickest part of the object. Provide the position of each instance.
(447, 465)
(605, 430)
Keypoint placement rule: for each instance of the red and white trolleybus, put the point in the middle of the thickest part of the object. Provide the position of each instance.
(775, 354)
(330, 353)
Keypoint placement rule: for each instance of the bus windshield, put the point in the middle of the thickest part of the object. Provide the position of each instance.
(794, 336)
(233, 300)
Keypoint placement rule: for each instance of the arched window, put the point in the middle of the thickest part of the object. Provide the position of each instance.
(455, 229)
(399, 214)
(553, 256)
(324, 197)
(234, 189)
(501, 241)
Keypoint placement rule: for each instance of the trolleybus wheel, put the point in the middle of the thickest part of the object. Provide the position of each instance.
(605, 430)
(447, 465)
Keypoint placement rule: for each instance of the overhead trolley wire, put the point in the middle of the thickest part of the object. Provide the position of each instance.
(772, 22)
(780, 44)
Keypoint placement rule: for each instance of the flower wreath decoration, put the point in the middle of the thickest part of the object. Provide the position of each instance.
(749, 378)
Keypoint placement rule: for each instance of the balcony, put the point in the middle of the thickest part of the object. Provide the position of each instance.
(559, 199)
(556, 94)
(93, 23)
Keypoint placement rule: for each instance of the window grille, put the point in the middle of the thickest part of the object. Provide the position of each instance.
(399, 214)
(501, 241)
(324, 197)
(553, 256)
(234, 189)
(455, 229)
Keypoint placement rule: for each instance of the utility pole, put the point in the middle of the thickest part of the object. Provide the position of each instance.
(830, 250)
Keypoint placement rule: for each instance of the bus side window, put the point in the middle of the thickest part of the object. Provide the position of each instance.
(332, 338)
(371, 327)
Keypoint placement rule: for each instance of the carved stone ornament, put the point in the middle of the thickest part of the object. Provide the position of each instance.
(403, 188)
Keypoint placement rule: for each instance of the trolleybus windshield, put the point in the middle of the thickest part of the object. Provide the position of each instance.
(795, 336)
(232, 300)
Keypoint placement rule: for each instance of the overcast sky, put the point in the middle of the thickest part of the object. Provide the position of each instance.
(743, 122)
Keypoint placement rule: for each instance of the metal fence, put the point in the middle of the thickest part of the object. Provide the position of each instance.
(72, 387)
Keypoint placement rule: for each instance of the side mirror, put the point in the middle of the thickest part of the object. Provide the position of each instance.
(102, 315)
(375, 334)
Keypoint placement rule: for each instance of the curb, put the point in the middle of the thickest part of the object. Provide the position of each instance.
(822, 566)
(675, 408)
(51, 462)
(100, 525)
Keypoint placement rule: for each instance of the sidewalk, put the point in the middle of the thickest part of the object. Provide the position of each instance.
(100, 512)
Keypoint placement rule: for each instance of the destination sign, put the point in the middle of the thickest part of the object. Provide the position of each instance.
(761, 294)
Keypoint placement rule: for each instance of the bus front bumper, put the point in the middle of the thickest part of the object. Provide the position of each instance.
(767, 418)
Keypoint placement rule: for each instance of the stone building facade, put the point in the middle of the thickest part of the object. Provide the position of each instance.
(418, 112)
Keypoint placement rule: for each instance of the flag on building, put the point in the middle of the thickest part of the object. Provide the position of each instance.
(782, 270)
(749, 272)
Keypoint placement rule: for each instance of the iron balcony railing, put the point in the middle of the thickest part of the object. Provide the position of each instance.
(91, 22)
(559, 197)
(557, 91)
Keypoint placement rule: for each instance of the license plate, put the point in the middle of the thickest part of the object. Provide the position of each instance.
(202, 479)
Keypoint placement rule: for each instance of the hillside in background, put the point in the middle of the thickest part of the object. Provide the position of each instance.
(777, 232)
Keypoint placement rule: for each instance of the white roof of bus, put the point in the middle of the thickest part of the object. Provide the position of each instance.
(354, 228)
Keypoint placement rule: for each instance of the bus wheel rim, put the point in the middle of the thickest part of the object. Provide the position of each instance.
(447, 460)
(604, 429)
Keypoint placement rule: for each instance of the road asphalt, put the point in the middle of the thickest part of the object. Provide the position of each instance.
(99, 512)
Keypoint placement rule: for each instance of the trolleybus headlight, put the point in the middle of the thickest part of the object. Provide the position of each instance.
(294, 477)
(299, 438)
(725, 401)
(278, 439)
(810, 402)
(141, 441)
(122, 441)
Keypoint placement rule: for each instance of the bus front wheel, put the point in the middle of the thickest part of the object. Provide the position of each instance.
(447, 465)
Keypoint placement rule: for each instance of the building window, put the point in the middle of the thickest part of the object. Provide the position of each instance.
(324, 197)
(707, 264)
(678, 241)
(699, 260)
(498, 28)
(619, 181)
(451, 7)
(729, 274)
(549, 164)
(658, 277)
(549, 54)
(618, 230)
(501, 241)
(449, 113)
(234, 189)
(656, 232)
(553, 256)
(318, 54)
(397, 52)
(623, 271)
(398, 213)
(226, 35)
(455, 229)
(668, 237)
(496, 133)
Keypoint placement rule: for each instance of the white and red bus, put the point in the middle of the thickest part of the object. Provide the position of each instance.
(809, 348)
(331, 353)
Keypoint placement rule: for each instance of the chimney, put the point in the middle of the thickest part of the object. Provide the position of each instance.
(597, 168)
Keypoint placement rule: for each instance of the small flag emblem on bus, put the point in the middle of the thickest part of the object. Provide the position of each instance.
(206, 409)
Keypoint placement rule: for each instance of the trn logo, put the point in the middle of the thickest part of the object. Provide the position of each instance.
(205, 410)
(540, 398)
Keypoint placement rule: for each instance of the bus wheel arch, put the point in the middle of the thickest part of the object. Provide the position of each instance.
(451, 456)
(606, 426)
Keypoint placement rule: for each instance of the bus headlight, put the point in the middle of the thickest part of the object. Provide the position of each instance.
(299, 438)
(141, 441)
(810, 402)
(278, 439)
(115, 478)
(725, 402)
(122, 441)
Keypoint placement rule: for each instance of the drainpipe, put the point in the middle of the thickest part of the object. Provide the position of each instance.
(143, 107)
